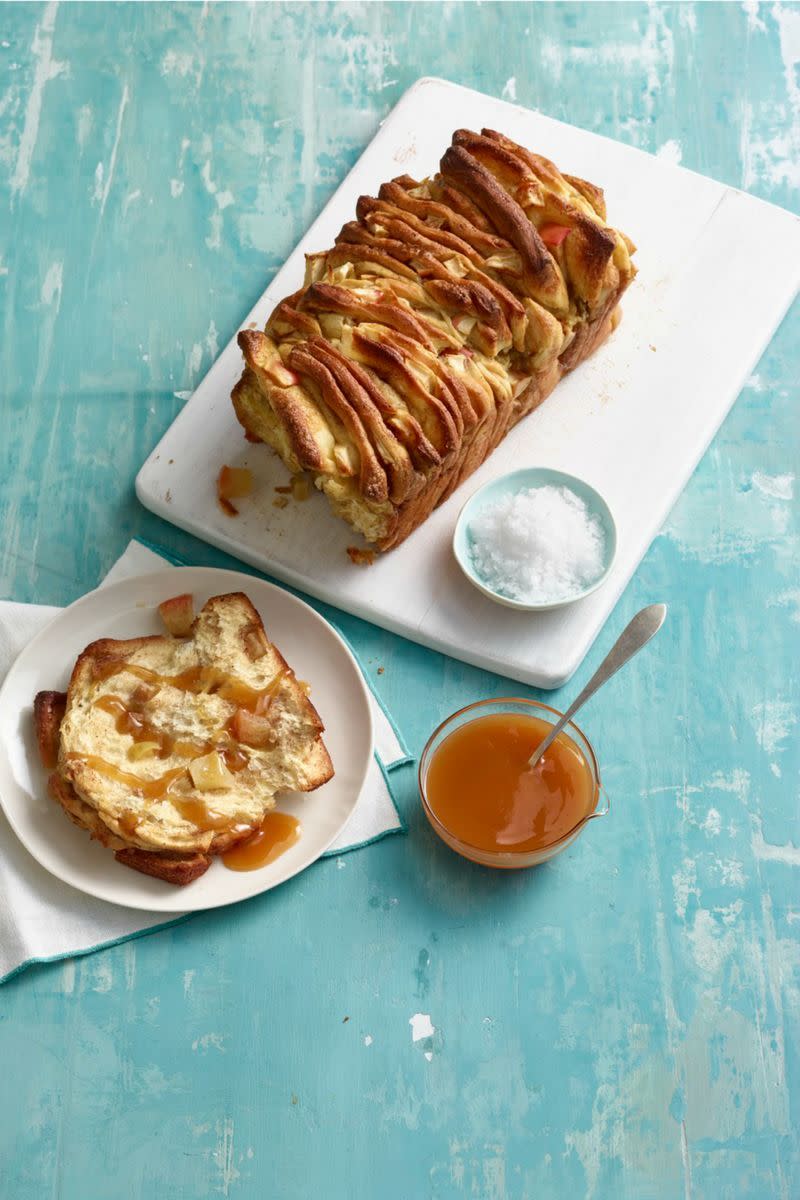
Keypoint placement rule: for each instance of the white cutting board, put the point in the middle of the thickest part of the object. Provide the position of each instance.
(717, 271)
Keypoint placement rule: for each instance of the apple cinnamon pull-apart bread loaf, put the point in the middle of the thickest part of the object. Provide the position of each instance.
(171, 749)
(445, 312)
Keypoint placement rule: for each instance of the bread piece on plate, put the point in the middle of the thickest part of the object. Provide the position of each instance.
(48, 713)
(170, 750)
(447, 311)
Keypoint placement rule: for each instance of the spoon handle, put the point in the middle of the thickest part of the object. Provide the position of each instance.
(636, 634)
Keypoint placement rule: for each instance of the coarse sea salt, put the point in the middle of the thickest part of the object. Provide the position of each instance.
(538, 546)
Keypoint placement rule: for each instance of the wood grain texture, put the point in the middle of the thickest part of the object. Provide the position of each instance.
(622, 1022)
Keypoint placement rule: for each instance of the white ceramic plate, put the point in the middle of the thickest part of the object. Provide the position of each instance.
(127, 609)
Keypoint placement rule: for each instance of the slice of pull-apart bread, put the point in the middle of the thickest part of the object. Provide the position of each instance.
(171, 749)
(444, 314)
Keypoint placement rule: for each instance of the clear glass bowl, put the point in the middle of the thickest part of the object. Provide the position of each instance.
(509, 859)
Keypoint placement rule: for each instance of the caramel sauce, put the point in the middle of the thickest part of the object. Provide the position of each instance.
(233, 756)
(190, 807)
(150, 789)
(480, 787)
(133, 722)
(199, 681)
(198, 813)
(130, 721)
(276, 834)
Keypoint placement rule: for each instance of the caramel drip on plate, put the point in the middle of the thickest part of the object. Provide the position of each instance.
(276, 834)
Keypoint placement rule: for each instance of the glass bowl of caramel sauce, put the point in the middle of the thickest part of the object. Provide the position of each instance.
(485, 801)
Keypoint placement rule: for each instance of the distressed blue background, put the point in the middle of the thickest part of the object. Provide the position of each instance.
(621, 1023)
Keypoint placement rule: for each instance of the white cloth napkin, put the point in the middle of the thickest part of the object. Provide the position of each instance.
(43, 919)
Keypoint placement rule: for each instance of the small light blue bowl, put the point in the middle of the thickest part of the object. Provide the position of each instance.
(516, 481)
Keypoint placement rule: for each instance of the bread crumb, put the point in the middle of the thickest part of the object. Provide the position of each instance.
(381, 670)
(653, 349)
(280, 502)
(362, 558)
(285, 491)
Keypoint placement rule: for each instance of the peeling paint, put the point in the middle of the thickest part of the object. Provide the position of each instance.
(421, 1027)
(46, 69)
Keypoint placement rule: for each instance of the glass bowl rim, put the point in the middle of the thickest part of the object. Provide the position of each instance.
(511, 855)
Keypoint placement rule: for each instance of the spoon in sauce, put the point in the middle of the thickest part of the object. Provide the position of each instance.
(636, 634)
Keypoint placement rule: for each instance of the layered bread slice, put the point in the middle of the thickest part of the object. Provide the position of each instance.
(171, 749)
(445, 312)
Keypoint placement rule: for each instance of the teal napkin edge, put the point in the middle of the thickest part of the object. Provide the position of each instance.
(125, 937)
(401, 828)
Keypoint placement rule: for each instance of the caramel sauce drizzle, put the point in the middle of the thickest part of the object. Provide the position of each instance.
(200, 681)
(191, 808)
(136, 725)
(233, 755)
(197, 680)
(199, 814)
(150, 789)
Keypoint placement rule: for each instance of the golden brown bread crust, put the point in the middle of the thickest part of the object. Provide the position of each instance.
(48, 713)
(178, 869)
(445, 313)
(82, 814)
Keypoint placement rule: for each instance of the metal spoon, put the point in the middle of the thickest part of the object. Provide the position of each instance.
(636, 634)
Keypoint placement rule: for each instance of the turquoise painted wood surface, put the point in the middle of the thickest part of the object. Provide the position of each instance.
(621, 1023)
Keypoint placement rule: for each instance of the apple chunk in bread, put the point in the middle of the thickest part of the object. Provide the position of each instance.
(177, 613)
(252, 729)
